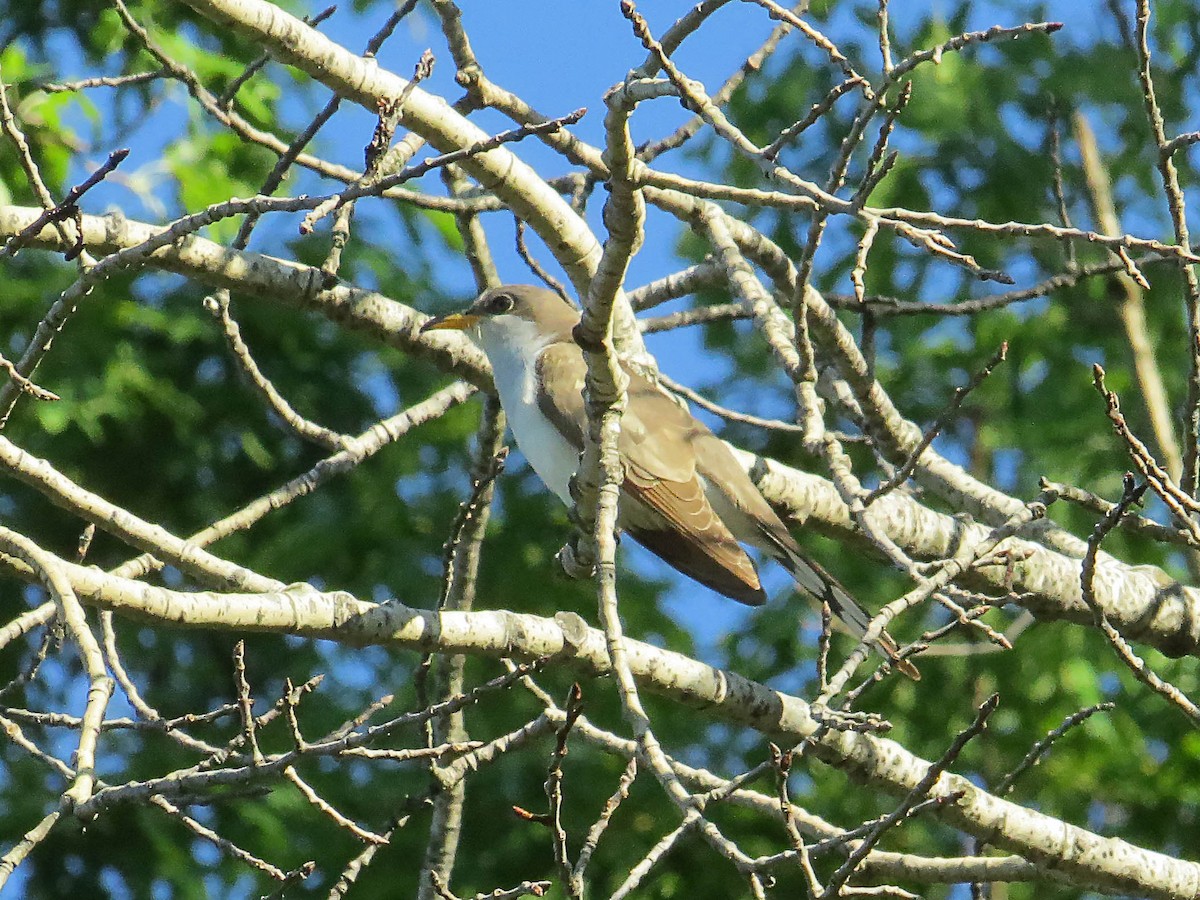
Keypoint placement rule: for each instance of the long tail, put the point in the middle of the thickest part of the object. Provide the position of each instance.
(825, 588)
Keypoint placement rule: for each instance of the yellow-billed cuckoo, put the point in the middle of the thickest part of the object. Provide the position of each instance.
(685, 498)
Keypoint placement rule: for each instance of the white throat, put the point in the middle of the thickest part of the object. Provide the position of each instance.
(512, 346)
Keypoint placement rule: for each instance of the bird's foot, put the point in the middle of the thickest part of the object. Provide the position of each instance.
(575, 563)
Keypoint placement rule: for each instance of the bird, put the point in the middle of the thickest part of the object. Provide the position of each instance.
(684, 496)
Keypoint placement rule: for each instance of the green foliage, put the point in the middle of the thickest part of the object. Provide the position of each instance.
(156, 417)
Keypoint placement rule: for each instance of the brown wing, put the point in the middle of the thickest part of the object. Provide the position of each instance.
(561, 370)
(674, 520)
(665, 507)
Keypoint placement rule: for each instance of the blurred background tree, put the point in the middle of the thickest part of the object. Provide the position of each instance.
(157, 417)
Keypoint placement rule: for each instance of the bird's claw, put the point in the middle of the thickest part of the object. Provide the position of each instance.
(569, 558)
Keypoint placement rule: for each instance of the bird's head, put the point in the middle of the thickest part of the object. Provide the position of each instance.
(512, 314)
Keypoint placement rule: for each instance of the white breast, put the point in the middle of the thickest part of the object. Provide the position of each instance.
(512, 346)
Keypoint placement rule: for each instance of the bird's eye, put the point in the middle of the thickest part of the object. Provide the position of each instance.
(501, 303)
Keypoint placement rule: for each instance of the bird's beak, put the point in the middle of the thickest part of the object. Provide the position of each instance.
(450, 322)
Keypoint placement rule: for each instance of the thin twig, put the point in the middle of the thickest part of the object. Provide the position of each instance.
(1135, 524)
(947, 416)
(918, 794)
(753, 63)
(309, 430)
(65, 208)
(377, 187)
(1180, 503)
(1060, 194)
(245, 701)
(102, 81)
(355, 867)
(534, 266)
(797, 128)
(1087, 573)
(230, 93)
(601, 824)
(724, 412)
(1189, 481)
(1042, 747)
(554, 793)
(28, 841)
